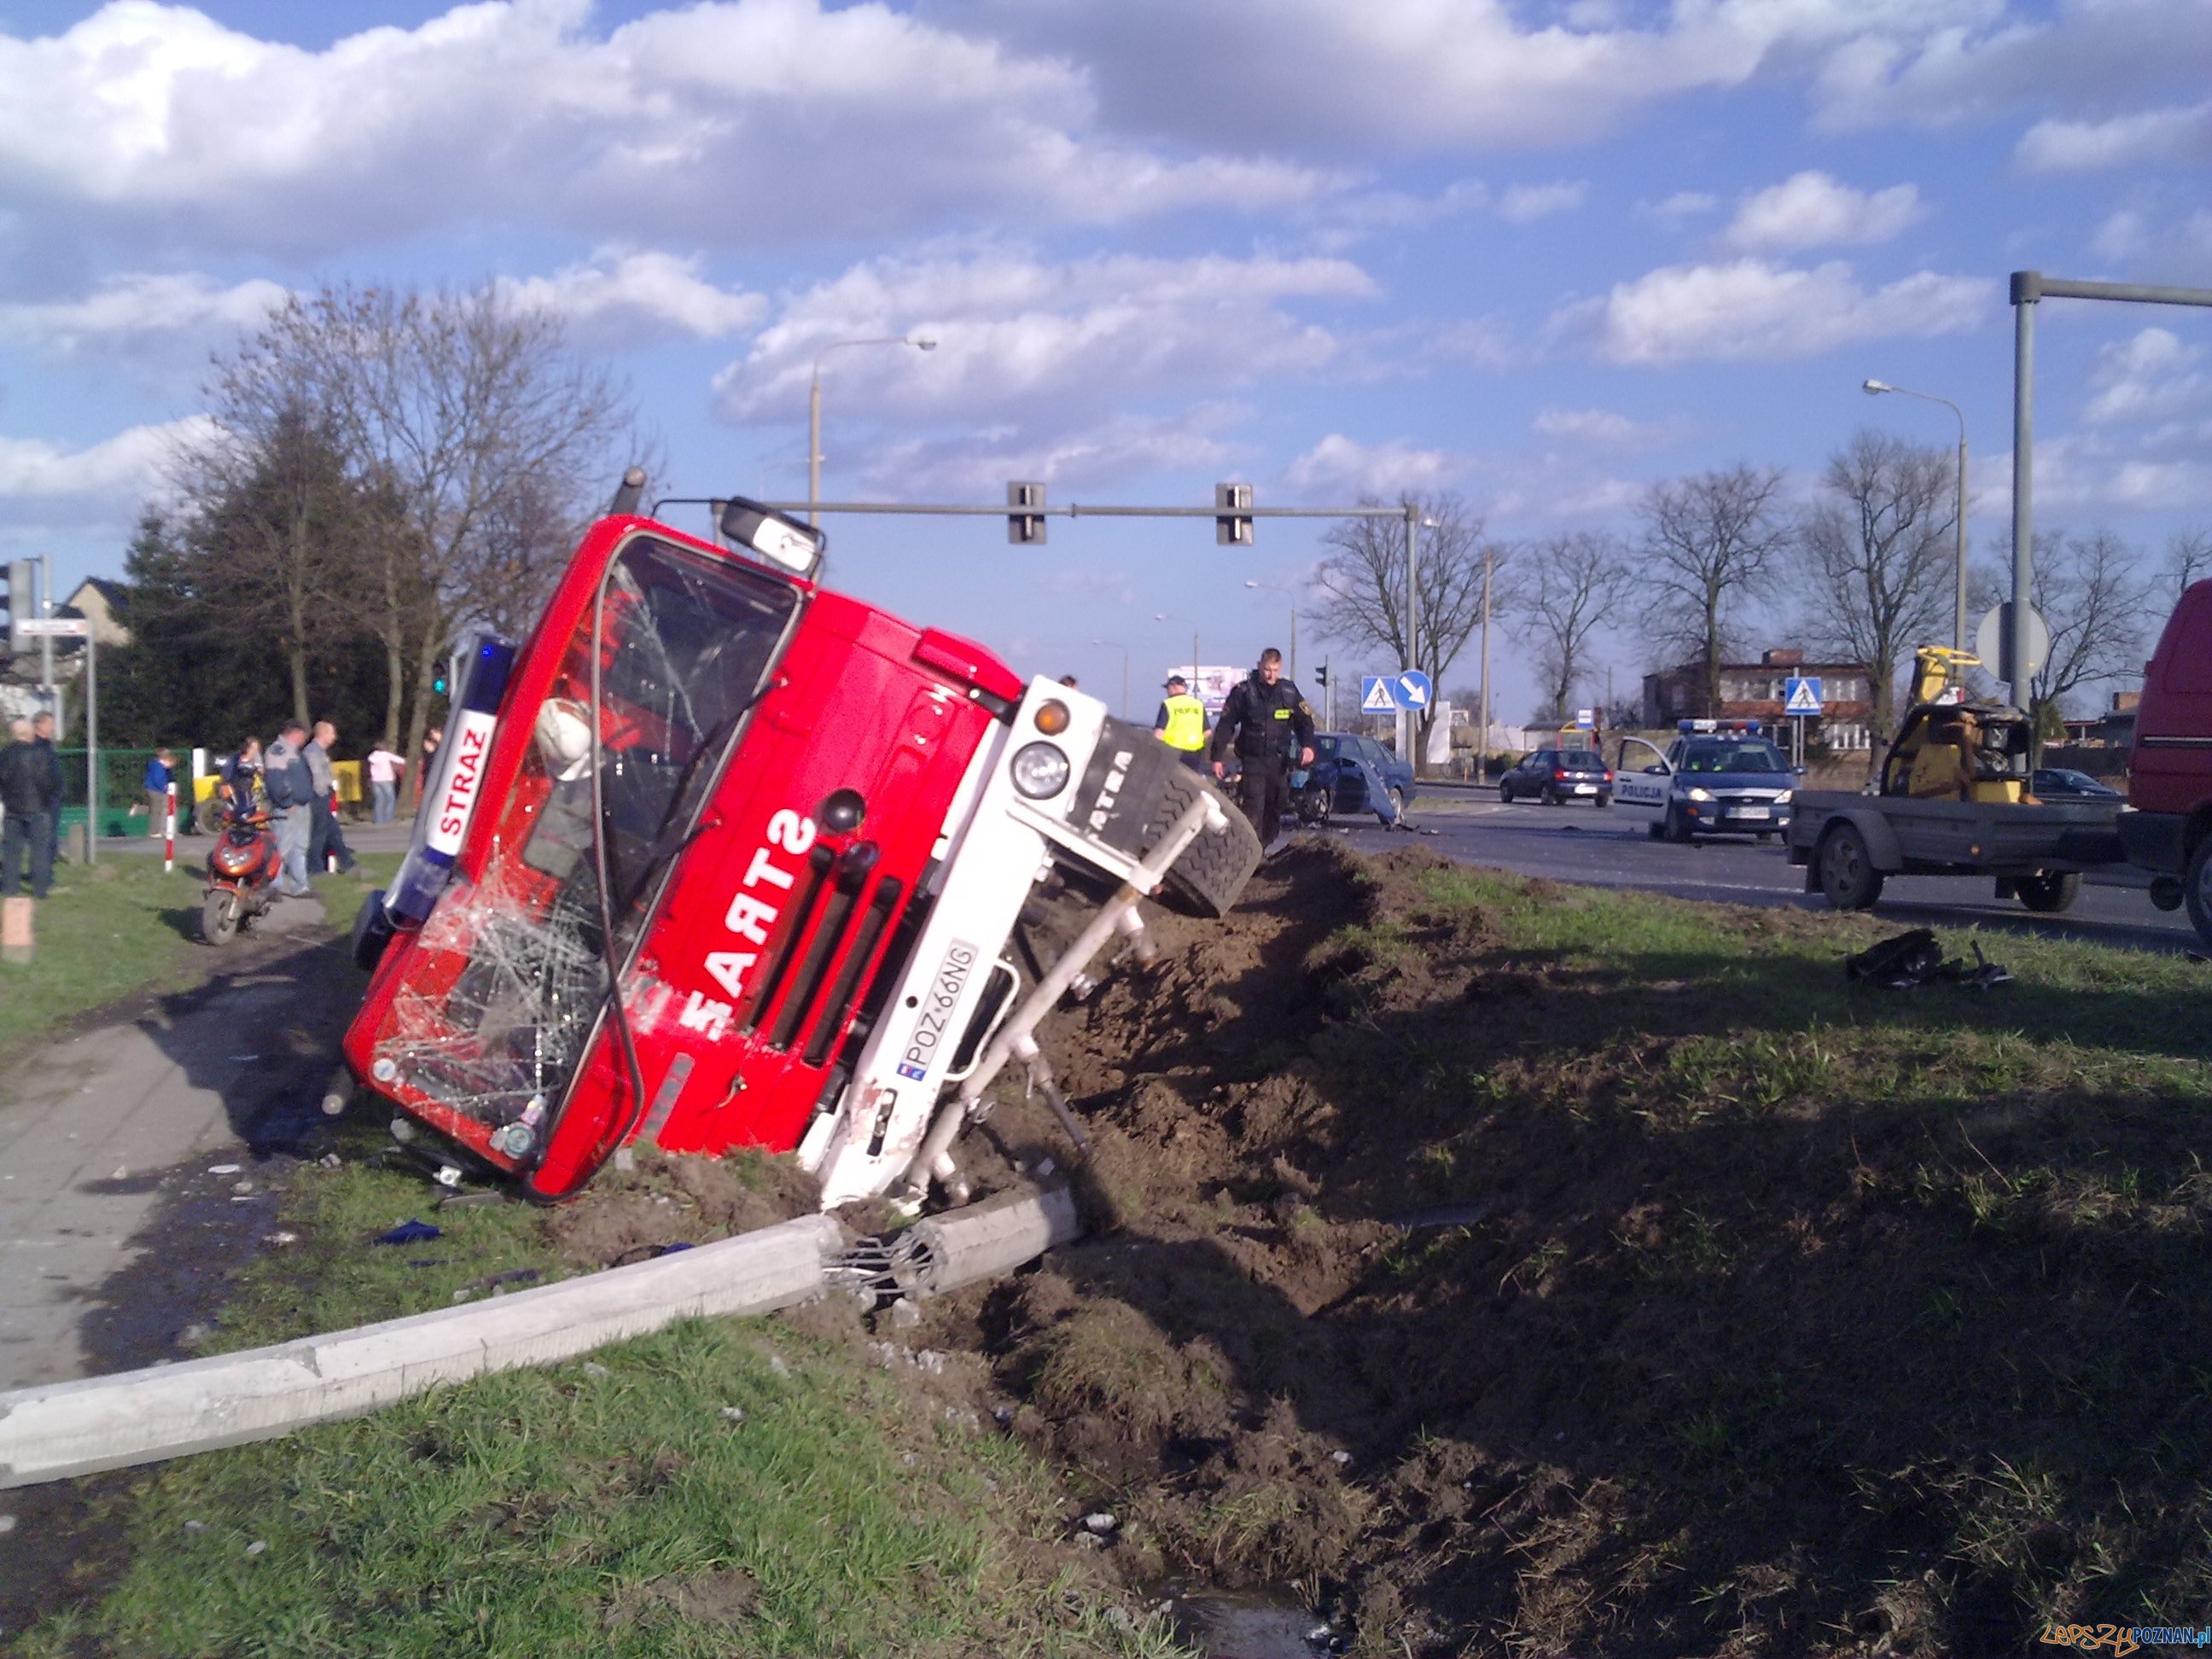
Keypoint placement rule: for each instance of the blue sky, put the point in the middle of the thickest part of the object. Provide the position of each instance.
(1539, 254)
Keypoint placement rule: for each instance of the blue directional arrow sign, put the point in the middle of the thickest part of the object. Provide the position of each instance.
(1800, 694)
(1414, 690)
(1377, 696)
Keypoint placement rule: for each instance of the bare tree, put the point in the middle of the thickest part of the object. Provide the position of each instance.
(1879, 558)
(1569, 587)
(473, 419)
(1363, 579)
(2093, 598)
(2188, 559)
(1712, 541)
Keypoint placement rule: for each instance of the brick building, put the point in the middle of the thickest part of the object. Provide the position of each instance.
(1754, 691)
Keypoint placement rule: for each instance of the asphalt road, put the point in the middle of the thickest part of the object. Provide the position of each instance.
(1602, 848)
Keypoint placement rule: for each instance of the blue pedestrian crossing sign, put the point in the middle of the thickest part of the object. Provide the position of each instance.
(1385, 694)
(1800, 694)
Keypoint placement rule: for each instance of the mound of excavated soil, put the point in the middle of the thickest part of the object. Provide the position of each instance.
(671, 1197)
(1658, 1393)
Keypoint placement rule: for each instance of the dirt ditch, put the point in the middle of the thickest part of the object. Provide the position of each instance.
(1641, 1393)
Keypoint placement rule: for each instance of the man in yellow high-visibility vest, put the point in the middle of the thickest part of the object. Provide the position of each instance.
(1180, 723)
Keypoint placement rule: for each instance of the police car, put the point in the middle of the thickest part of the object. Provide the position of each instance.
(1716, 778)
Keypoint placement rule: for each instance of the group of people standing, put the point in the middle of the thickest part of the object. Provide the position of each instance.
(31, 799)
(290, 785)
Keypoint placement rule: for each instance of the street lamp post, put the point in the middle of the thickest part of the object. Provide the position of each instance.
(1277, 587)
(1482, 740)
(814, 405)
(1874, 389)
(1124, 650)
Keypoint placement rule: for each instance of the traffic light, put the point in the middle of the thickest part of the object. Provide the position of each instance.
(1025, 529)
(438, 685)
(1321, 676)
(14, 603)
(1234, 530)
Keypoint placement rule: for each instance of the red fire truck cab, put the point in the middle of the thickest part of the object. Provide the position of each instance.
(796, 832)
(2170, 770)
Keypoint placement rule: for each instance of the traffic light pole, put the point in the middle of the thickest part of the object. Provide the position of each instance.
(1014, 513)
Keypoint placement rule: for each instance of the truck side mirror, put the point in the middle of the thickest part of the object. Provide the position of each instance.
(777, 538)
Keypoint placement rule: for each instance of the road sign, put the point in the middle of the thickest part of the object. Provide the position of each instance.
(59, 628)
(1585, 719)
(1993, 636)
(1800, 694)
(1414, 690)
(1377, 696)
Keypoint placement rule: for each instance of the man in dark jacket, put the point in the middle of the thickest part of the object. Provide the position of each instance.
(291, 787)
(30, 795)
(42, 738)
(1273, 730)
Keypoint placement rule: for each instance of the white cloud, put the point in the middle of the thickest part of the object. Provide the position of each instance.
(623, 296)
(2150, 377)
(1317, 77)
(1678, 209)
(744, 122)
(1981, 61)
(1753, 309)
(1072, 340)
(126, 311)
(2182, 134)
(1525, 203)
(1811, 210)
(123, 467)
(1601, 429)
(1105, 453)
(1343, 467)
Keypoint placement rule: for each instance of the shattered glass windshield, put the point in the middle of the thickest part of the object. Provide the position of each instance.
(686, 641)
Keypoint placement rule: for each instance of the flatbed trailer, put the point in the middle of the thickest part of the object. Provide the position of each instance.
(1849, 844)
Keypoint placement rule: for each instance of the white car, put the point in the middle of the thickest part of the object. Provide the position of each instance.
(1717, 778)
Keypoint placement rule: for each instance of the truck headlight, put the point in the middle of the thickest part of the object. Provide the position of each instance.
(1040, 770)
(1701, 795)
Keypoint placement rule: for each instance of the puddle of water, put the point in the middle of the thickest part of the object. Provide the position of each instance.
(1249, 1625)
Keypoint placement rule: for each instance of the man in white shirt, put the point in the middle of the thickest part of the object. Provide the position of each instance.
(383, 770)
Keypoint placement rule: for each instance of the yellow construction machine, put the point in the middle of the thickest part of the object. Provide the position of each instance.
(1951, 747)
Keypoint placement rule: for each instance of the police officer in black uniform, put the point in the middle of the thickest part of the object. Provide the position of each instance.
(1273, 731)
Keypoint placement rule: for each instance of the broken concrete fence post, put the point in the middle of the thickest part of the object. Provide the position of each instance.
(942, 1252)
(63, 1429)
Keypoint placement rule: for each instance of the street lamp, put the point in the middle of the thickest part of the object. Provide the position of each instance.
(1277, 587)
(1874, 389)
(1124, 650)
(1482, 742)
(814, 406)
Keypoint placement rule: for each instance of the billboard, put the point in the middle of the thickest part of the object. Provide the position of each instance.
(1211, 683)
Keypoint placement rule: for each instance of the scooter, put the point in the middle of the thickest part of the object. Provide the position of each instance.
(242, 869)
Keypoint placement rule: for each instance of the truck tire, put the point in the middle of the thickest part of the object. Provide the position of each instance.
(2051, 893)
(1207, 878)
(2196, 890)
(1848, 879)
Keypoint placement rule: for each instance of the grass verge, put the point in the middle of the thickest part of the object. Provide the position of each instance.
(120, 928)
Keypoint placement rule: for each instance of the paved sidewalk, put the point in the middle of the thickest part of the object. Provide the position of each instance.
(100, 1131)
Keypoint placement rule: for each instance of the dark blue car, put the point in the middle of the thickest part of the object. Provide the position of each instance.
(1335, 782)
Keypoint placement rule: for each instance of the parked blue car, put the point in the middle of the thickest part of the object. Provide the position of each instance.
(1335, 783)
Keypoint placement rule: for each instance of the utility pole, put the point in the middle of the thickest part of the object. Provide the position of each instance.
(47, 644)
(1482, 743)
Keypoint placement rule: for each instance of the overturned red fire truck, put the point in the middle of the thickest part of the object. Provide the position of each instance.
(798, 836)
